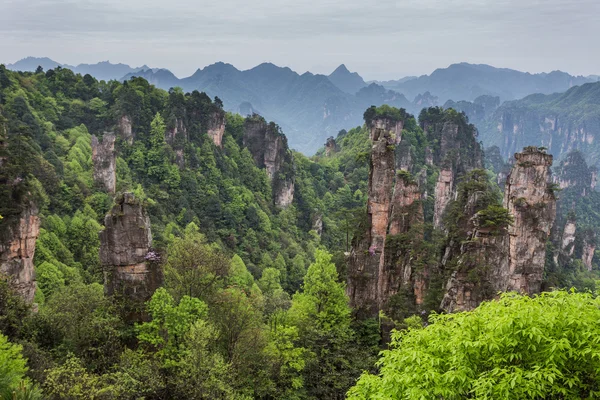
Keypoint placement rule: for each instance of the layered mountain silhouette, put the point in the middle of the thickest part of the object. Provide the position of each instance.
(311, 107)
(468, 81)
(104, 70)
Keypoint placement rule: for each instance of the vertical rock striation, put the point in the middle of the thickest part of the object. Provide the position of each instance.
(454, 149)
(216, 127)
(366, 280)
(378, 264)
(444, 192)
(130, 270)
(125, 127)
(530, 199)
(269, 148)
(330, 146)
(505, 248)
(588, 248)
(104, 161)
(17, 248)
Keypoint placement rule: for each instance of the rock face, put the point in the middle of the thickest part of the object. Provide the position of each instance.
(216, 127)
(378, 265)
(573, 173)
(507, 256)
(330, 146)
(125, 252)
(455, 150)
(366, 280)
(444, 192)
(177, 134)
(589, 247)
(270, 151)
(104, 160)
(529, 198)
(17, 248)
(567, 245)
(481, 259)
(126, 128)
(560, 122)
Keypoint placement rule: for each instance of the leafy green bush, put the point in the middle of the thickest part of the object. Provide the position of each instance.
(546, 347)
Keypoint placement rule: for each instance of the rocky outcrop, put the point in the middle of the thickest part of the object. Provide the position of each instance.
(588, 249)
(505, 248)
(382, 260)
(567, 243)
(573, 173)
(269, 148)
(560, 122)
(404, 233)
(444, 192)
(530, 199)
(131, 269)
(455, 150)
(17, 248)
(177, 134)
(366, 279)
(407, 209)
(125, 127)
(216, 127)
(477, 246)
(104, 161)
(330, 146)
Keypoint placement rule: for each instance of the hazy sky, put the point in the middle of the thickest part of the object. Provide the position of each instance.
(381, 39)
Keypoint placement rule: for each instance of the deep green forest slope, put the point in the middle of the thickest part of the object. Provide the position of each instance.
(233, 250)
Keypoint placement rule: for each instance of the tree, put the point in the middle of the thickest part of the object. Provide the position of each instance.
(171, 321)
(545, 347)
(13, 384)
(322, 316)
(275, 297)
(194, 268)
(12, 364)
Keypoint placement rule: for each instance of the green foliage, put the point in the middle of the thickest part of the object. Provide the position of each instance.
(12, 365)
(517, 347)
(170, 323)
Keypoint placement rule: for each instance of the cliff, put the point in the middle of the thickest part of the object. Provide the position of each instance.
(330, 146)
(529, 197)
(477, 244)
(17, 248)
(377, 267)
(561, 122)
(504, 248)
(104, 161)
(269, 148)
(130, 268)
(125, 128)
(216, 127)
(588, 248)
(454, 148)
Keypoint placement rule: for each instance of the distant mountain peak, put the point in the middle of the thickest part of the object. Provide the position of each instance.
(349, 82)
(341, 69)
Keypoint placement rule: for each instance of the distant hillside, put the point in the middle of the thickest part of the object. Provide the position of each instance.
(468, 81)
(104, 70)
(562, 122)
(308, 107)
(312, 107)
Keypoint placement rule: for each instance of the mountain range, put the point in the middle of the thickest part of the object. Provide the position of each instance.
(311, 107)
(103, 70)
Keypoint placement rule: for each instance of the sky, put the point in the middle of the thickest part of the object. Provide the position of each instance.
(383, 39)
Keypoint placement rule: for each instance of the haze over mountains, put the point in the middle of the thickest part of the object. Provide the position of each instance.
(311, 107)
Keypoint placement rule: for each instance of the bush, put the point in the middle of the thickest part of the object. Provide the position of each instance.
(546, 347)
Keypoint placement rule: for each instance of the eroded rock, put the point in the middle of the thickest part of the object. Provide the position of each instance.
(17, 248)
(130, 268)
(104, 161)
